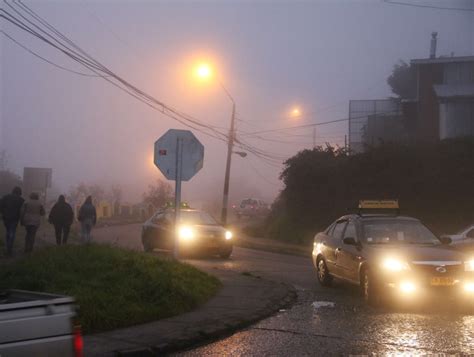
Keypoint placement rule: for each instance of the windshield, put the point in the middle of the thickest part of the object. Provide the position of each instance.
(396, 231)
(197, 217)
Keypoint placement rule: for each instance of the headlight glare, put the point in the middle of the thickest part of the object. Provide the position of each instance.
(395, 265)
(186, 233)
(228, 235)
(469, 265)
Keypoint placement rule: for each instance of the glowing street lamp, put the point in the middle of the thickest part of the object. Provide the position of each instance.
(203, 71)
(295, 112)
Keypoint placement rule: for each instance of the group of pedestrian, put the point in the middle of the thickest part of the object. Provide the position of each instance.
(15, 210)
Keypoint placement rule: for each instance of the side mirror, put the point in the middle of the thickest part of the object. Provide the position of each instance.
(349, 241)
(446, 240)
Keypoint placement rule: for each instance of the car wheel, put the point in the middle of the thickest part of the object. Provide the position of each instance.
(324, 278)
(369, 289)
(225, 254)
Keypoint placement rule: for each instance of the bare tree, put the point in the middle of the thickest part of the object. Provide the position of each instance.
(158, 194)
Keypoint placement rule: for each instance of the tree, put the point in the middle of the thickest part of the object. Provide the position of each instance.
(115, 194)
(80, 192)
(402, 81)
(8, 180)
(158, 194)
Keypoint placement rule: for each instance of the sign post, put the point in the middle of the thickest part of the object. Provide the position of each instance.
(179, 155)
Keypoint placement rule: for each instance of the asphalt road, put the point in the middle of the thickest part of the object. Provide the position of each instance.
(344, 326)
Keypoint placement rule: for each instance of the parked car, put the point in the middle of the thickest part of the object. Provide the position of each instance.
(251, 208)
(198, 232)
(38, 324)
(388, 255)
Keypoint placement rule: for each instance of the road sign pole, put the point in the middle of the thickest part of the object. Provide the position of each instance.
(177, 194)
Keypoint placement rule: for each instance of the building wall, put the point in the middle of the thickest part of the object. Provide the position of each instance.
(428, 107)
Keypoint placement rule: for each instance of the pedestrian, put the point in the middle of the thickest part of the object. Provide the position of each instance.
(88, 218)
(10, 207)
(61, 216)
(31, 213)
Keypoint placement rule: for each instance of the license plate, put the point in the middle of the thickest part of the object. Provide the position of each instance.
(442, 281)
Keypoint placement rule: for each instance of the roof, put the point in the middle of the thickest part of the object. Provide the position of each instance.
(442, 60)
(454, 90)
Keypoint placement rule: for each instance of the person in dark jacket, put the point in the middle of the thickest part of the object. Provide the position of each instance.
(31, 213)
(10, 207)
(61, 216)
(88, 218)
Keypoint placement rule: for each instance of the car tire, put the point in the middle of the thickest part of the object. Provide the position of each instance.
(369, 288)
(322, 272)
(225, 254)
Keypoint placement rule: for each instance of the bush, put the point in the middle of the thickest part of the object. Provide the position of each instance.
(433, 183)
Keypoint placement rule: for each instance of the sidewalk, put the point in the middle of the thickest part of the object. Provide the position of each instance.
(241, 301)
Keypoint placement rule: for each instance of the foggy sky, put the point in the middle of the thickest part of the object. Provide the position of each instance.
(270, 55)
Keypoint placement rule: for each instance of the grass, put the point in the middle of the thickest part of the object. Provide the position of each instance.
(113, 287)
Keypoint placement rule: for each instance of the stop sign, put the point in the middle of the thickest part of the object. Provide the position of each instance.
(191, 151)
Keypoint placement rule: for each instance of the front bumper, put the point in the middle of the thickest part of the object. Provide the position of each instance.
(416, 286)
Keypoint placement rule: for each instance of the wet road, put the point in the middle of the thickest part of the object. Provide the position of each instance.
(346, 326)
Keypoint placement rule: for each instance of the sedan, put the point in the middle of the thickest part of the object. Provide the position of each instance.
(197, 232)
(391, 256)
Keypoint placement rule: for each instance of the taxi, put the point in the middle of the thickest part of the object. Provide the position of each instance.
(198, 232)
(389, 255)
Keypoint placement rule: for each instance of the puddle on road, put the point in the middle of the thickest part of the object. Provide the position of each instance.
(319, 304)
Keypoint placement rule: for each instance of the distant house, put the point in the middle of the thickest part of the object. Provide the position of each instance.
(445, 98)
(443, 107)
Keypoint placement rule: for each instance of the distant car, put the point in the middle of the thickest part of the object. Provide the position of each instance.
(463, 239)
(391, 256)
(252, 207)
(198, 232)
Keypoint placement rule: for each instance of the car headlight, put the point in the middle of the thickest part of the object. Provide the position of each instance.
(469, 265)
(186, 233)
(395, 265)
(228, 235)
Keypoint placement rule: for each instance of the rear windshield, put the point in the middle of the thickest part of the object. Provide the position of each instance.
(249, 202)
(397, 231)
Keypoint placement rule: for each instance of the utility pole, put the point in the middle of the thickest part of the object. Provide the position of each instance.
(314, 137)
(230, 146)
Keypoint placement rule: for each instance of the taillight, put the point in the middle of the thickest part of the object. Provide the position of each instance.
(78, 342)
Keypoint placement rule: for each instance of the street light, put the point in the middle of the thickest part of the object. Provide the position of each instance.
(204, 71)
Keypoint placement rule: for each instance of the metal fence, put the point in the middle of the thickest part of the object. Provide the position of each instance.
(371, 121)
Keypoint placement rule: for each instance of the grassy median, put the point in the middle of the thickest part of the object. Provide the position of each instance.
(113, 287)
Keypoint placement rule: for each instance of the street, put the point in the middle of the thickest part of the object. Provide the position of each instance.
(323, 321)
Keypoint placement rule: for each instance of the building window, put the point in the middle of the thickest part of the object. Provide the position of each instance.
(459, 73)
(456, 119)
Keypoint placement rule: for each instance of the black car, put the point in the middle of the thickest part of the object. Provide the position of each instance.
(198, 232)
(391, 255)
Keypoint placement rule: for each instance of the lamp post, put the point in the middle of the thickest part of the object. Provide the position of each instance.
(204, 71)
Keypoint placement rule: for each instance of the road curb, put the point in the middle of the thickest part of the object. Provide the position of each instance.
(214, 332)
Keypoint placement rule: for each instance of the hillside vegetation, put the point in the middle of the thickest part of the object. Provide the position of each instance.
(433, 183)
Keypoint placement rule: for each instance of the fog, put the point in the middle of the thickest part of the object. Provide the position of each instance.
(270, 55)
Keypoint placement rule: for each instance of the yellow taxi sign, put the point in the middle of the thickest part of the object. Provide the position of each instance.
(378, 204)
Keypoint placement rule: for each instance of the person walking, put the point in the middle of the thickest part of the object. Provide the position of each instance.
(10, 209)
(88, 218)
(31, 213)
(61, 217)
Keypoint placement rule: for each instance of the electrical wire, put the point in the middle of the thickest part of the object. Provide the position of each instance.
(427, 6)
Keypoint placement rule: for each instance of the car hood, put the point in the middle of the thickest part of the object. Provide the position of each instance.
(414, 252)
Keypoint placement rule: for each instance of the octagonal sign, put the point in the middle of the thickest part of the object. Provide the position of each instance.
(167, 150)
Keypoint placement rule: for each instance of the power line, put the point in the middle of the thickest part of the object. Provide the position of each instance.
(45, 59)
(317, 124)
(89, 62)
(427, 6)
